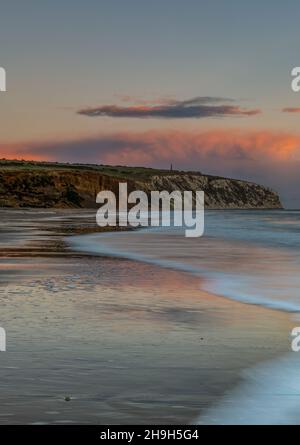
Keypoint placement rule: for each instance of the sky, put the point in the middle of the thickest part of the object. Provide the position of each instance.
(202, 85)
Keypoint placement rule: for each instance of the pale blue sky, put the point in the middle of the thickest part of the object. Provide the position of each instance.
(75, 54)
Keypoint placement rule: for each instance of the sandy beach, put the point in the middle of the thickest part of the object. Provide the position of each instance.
(93, 339)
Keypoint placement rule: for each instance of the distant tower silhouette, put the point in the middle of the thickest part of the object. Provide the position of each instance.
(171, 168)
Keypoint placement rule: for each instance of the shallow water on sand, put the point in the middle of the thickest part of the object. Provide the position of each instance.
(125, 341)
(251, 257)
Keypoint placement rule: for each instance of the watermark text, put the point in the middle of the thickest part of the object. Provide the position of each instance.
(2, 79)
(158, 208)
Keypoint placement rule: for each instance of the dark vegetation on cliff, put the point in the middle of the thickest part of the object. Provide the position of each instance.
(50, 184)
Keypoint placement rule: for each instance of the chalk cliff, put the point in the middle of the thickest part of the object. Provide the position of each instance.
(25, 184)
(220, 193)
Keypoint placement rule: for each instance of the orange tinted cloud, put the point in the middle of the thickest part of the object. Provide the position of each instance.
(154, 147)
(291, 110)
(266, 157)
(196, 107)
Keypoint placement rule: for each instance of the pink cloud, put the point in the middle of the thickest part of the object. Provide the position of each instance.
(196, 107)
(268, 157)
(291, 110)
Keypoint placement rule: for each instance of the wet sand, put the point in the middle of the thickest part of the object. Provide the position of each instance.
(126, 342)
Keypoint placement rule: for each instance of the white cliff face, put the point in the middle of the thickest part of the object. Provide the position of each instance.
(220, 193)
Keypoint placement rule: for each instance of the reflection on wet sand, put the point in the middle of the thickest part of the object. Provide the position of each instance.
(109, 340)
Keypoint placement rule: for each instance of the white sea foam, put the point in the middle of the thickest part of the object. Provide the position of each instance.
(269, 395)
(245, 265)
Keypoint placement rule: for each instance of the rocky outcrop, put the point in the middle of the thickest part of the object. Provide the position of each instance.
(69, 188)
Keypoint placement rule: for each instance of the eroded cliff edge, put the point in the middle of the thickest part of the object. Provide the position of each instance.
(34, 184)
(220, 193)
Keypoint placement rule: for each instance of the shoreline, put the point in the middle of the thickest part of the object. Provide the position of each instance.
(161, 252)
(161, 354)
(165, 360)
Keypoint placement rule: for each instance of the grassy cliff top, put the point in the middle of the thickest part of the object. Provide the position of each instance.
(141, 173)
